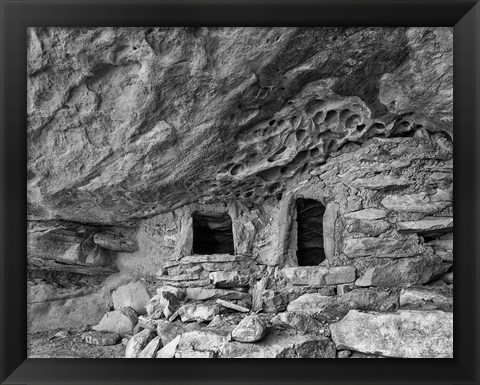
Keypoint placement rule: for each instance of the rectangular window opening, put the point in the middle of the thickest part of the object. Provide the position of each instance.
(310, 246)
(212, 233)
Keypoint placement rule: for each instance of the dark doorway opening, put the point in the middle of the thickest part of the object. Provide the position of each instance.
(212, 233)
(310, 249)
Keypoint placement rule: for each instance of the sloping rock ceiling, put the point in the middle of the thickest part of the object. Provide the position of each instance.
(124, 124)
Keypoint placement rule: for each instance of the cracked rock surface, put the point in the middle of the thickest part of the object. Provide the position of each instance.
(124, 123)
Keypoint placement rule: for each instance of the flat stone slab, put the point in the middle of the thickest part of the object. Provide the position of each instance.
(318, 275)
(403, 272)
(229, 278)
(380, 182)
(333, 307)
(115, 242)
(340, 274)
(190, 283)
(213, 258)
(426, 225)
(403, 334)
(367, 214)
(416, 203)
(182, 277)
(381, 247)
(203, 294)
(232, 306)
(305, 275)
(425, 298)
(280, 345)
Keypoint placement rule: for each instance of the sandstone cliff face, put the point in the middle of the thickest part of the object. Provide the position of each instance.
(126, 123)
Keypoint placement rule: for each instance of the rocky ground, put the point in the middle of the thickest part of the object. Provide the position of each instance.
(171, 324)
(68, 343)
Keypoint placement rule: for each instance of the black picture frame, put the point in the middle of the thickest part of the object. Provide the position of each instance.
(463, 15)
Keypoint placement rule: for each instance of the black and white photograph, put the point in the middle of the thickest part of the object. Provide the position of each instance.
(239, 192)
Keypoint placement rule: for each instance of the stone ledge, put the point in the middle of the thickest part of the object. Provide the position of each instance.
(316, 276)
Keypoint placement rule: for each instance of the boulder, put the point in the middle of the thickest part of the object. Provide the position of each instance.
(121, 321)
(403, 334)
(66, 313)
(150, 351)
(164, 303)
(328, 307)
(116, 280)
(300, 321)
(250, 329)
(168, 331)
(137, 343)
(280, 344)
(406, 272)
(314, 303)
(196, 312)
(134, 295)
(206, 342)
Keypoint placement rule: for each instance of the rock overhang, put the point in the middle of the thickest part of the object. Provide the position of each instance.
(233, 132)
